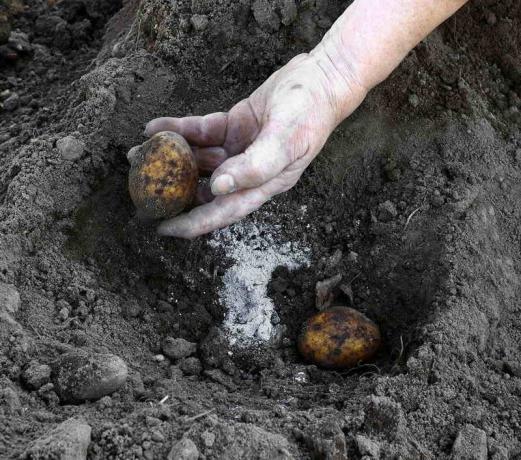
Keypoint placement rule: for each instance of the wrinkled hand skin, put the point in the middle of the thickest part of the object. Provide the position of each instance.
(258, 149)
(264, 143)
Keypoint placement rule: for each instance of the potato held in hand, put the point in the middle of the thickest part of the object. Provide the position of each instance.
(163, 176)
(339, 337)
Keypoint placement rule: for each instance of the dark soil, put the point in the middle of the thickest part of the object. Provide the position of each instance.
(440, 140)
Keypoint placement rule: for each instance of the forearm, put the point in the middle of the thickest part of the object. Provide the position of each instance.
(372, 37)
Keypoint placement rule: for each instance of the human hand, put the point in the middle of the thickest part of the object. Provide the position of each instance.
(261, 147)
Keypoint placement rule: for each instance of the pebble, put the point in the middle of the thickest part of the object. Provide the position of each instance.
(9, 299)
(80, 376)
(208, 438)
(157, 436)
(176, 349)
(191, 366)
(12, 102)
(288, 11)
(199, 22)
(185, 449)
(491, 18)
(414, 100)
(265, 15)
(68, 441)
(36, 375)
(70, 148)
(470, 444)
(387, 211)
(352, 257)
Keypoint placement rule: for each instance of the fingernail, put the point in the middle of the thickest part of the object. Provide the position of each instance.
(223, 185)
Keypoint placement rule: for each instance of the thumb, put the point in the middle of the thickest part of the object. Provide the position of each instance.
(263, 160)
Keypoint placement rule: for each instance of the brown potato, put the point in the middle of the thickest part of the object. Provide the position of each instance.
(339, 337)
(163, 176)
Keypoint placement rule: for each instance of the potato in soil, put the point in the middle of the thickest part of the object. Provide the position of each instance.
(339, 337)
(163, 176)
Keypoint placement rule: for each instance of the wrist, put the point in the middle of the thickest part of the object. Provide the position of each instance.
(344, 81)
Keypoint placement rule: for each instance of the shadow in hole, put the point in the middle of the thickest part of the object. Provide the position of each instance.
(134, 262)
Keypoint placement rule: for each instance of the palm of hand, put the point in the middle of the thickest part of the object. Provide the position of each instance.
(256, 150)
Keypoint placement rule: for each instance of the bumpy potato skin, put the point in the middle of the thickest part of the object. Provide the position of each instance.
(339, 337)
(163, 176)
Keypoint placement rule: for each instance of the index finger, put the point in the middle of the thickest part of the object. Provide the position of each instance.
(221, 212)
(203, 131)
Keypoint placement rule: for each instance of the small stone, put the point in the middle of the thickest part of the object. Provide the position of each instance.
(264, 14)
(352, 257)
(12, 102)
(185, 449)
(63, 314)
(19, 41)
(470, 444)
(68, 441)
(159, 358)
(387, 211)
(414, 100)
(191, 366)
(288, 11)
(301, 377)
(199, 22)
(491, 18)
(208, 438)
(80, 376)
(5, 94)
(157, 436)
(9, 299)
(367, 446)
(178, 348)
(36, 375)
(70, 148)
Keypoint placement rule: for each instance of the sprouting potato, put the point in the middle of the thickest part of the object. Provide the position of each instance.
(339, 337)
(163, 176)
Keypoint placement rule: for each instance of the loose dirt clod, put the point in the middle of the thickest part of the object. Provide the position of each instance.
(68, 441)
(163, 176)
(340, 337)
